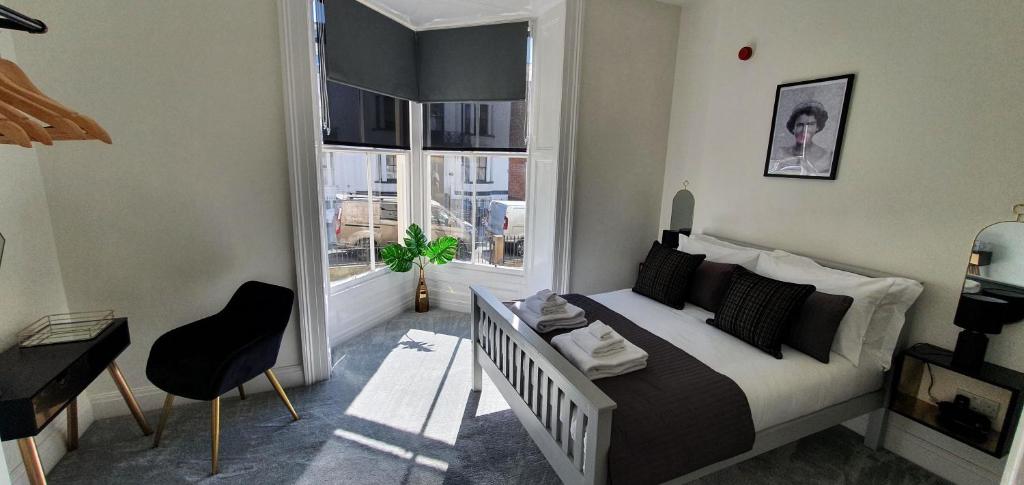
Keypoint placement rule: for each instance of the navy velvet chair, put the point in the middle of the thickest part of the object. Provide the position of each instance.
(206, 358)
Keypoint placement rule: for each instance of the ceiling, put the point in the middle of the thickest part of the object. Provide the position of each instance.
(420, 14)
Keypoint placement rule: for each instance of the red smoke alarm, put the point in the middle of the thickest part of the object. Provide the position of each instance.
(745, 53)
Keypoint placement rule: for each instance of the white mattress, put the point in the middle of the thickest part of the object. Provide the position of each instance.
(777, 390)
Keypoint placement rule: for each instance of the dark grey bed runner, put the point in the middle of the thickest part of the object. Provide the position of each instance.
(676, 416)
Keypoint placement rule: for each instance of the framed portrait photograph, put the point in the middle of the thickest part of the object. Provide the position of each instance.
(807, 128)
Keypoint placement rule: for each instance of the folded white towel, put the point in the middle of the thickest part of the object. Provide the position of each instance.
(547, 295)
(600, 330)
(572, 317)
(545, 307)
(631, 359)
(595, 346)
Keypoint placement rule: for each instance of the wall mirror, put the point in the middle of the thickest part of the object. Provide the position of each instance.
(993, 290)
(682, 210)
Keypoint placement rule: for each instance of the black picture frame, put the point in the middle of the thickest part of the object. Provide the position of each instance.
(808, 99)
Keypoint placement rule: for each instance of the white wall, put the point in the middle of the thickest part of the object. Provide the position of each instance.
(932, 148)
(626, 84)
(192, 198)
(30, 278)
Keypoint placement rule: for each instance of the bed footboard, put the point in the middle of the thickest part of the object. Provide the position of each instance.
(568, 417)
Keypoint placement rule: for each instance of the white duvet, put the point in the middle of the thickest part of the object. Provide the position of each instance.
(777, 390)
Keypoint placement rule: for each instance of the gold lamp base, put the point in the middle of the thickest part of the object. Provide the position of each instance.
(421, 296)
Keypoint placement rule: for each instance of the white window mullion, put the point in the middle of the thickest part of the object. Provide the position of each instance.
(369, 207)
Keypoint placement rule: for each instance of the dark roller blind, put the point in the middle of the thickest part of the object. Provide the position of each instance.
(484, 63)
(368, 50)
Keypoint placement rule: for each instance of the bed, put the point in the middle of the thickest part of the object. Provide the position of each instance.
(570, 418)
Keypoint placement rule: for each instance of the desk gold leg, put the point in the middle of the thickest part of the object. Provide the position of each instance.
(73, 425)
(30, 456)
(129, 398)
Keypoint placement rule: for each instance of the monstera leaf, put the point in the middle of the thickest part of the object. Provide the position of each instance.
(442, 250)
(415, 240)
(398, 258)
(418, 251)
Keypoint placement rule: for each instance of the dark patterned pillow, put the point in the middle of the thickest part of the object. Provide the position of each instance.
(665, 275)
(758, 310)
(815, 325)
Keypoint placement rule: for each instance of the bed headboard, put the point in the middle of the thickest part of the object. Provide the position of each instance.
(871, 273)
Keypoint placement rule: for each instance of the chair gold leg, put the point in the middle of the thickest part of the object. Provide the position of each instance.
(168, 402)
(73, 425)
(129, 398)
(241, 392)
(30, 457)
(215, 431)
(281, 394)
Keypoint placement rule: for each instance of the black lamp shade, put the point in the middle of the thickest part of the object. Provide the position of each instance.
(1015, 300)
(981, 313)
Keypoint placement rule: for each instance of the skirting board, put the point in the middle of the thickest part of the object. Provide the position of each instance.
(936, 452)
(110, 404)
(368, 321)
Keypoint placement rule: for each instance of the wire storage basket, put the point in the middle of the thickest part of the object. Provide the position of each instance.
(65, 327)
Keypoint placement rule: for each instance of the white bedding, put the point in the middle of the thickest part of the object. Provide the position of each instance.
(777, 390)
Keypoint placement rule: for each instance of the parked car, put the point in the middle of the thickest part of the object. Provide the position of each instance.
(352, 228)
(506, 218)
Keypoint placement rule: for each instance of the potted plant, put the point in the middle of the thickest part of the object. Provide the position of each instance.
(418, 251)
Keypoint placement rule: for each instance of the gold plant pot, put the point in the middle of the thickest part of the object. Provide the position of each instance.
(421, 296)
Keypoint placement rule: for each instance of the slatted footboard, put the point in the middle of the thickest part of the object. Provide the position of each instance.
(568, 417)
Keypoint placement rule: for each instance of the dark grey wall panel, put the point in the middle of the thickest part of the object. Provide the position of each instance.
(368, 50)
(484, 63)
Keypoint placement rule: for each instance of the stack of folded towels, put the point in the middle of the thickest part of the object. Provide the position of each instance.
(546, 311)
(598, 351)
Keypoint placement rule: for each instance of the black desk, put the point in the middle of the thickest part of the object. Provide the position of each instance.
(37, 383)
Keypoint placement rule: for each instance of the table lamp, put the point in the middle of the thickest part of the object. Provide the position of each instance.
(977, 315)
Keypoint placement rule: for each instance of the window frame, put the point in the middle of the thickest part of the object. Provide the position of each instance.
(472, 155)
(402, 173)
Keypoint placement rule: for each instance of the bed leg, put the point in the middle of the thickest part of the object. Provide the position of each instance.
(875, 432)
(474, 315)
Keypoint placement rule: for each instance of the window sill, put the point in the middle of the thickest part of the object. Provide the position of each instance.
(339, 287)
(484, 268)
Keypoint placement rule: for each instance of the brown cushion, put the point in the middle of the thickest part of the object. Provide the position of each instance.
(815, 326)
(709, 284)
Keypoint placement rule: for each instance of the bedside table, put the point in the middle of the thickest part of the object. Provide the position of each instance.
(924, 376)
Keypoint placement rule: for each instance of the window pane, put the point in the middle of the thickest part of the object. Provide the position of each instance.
(502, 207)
(364, 118)
(497, 126)
(488, 196)
(385, 202)
(346, 210)
(451, 203)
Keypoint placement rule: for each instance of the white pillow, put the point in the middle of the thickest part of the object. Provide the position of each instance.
(725, 244)
(887, 322)
(867, 294)
(718, 254)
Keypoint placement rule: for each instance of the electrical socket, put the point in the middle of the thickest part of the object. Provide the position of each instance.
(982, 405)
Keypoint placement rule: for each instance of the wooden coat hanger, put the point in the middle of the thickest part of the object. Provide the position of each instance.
(20, 99)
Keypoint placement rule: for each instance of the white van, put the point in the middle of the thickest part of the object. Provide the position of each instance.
(507, 218)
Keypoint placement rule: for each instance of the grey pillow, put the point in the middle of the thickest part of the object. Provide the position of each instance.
(709, 284)
(815, 326)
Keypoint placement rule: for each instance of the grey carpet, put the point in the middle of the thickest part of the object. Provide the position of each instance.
(399, 411)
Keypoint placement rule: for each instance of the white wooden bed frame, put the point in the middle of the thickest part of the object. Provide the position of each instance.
(549, 395)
